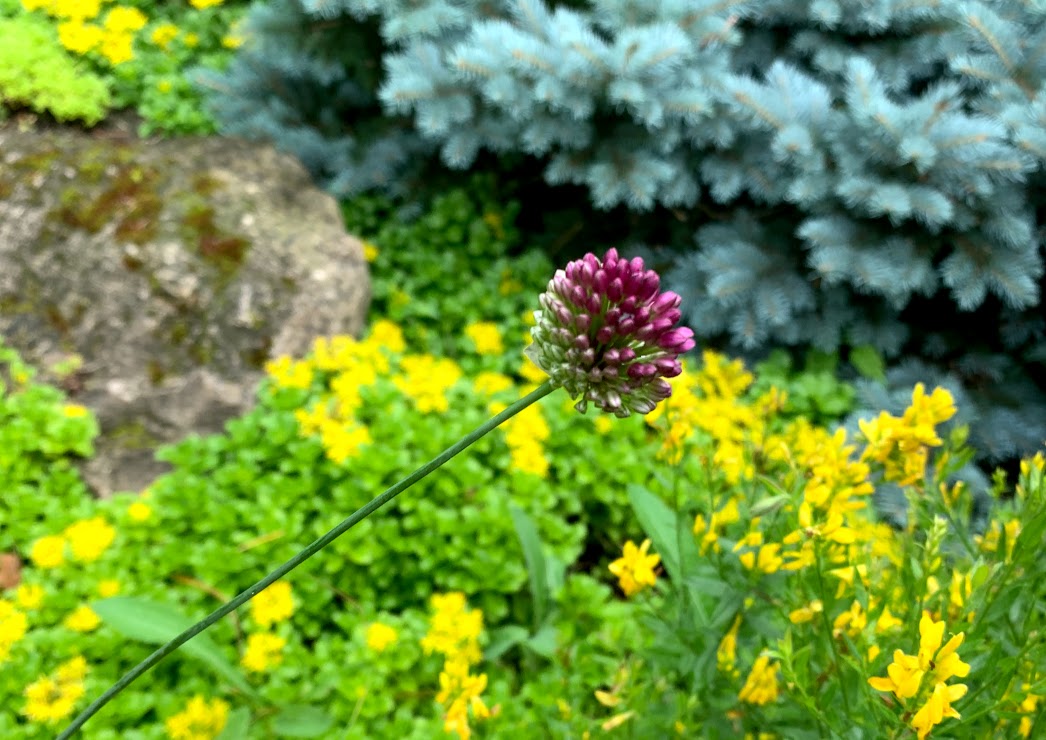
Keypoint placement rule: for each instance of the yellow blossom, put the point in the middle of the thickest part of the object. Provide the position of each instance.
(200, 720)
(806, 613)
(453, 630)
(53, 698)
(289, 373)
(635, 568)
(486, 337)
(74, 411)
(48, 551)
(89, 538)
(230, 41)
(163, 34)
(761, 685)
(274, 604)
(264, 650)
(459, 692)
(82, 619)
(202, 4)
(380, 636)
(29, 596)
(139, 511)
(108, 588)
(852, 621)
(117, 47)
(426, 380)
(13, 626)
(489, 383)
(370, 251)
(124, 19)
(726, 653)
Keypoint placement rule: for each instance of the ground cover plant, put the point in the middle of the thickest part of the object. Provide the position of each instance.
(77, 60)
(518, 589)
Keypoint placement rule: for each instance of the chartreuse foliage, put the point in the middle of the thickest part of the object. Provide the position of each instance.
(76, 59)
(476, 601)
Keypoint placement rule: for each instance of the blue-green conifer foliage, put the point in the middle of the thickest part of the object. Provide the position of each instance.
(857, 173)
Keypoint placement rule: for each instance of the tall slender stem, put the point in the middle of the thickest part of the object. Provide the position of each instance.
(356, 517)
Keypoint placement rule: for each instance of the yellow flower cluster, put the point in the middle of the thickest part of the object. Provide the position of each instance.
(264, 651)
(380, 636)
(200, 720)
(901, 445)
(87, 540)
(486, 337)
(13, 625)
(347, 366)
(52, 698)
(524, 433)
(82, 619)
(761, 685)
(454, 632)
(635, 568)
(113, 38)
(923, 677)
(426, 380)
(274, 604)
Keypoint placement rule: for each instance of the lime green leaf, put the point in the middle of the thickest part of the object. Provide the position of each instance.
(301, 720)
(662, 527)
(155, 623)
(237, 726)
(868, 362)
(504, 639)
(536, 567)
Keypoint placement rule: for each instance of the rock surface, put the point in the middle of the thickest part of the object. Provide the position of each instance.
(174, 268)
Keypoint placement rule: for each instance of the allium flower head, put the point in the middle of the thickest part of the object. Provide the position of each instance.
(605, 333)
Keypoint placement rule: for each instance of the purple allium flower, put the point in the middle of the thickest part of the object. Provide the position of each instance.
(606, 334)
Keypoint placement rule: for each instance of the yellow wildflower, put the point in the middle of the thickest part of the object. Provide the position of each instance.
(426, 380)
(453, 631)
(123, 20)
(459, 692)
(490, 383)
(289, 373)
(74, 410)
(230, 41)
(370, 251)
(117, 47)
(52, 698)
(380, 636)
(202, 4)
(140, 511)
(761, 685)
(635, 568)
(806, 613)
(89, 538)
(13, 626)
(164, 34)
(264, 650)
(274, 604)
(726, 654)
(200, 720)
(108, 588)
(82, 619)
(48, 551)
(852, 621)
(486, 337)
(29, 596)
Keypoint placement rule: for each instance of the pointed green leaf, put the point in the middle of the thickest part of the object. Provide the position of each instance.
(504, 639)
(868, 362)
(237, 726)
(536, 566)
(301, 720)
(155, 623)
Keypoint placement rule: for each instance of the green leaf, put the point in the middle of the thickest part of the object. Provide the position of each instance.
(536, 566)
(301, 720)
(237, 726)
(662, 527)
(155, 623)
(868, 362)
(543, 642)
(504, 639)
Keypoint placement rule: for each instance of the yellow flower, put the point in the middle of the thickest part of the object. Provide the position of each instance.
(806, 613)
(140, 511)
(380, 636)
(13, 626)
(761, 685)
(89, 538)
(635, 569)
(73, 410)
(117, 47)
(29, 596)
(164, 34)
(109, 587)
(274, 604)
(48, 552)
(486, 336)
(459, 692)
(289, 373)
(387, 334)
(264, 650)
(122, 19)
(343, 440)
(164, 86)
(453, 630)
(52, 698)
(937, 664)
(603, 424)
(852, 621)
(201, 4)
(75, 10)
(200, 720)
(370, 251)
(426, 380)
(490, 383)
(232, 42)
(726, 654)
(83, 619)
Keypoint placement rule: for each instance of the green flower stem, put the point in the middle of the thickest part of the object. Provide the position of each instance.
(356, 517)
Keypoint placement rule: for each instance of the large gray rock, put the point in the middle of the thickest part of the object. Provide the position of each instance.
(174, 268)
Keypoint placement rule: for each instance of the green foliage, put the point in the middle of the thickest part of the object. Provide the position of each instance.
(814, 392)
(38, 74)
